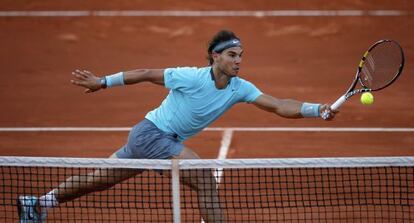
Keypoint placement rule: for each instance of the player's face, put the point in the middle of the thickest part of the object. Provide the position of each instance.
(229, 61)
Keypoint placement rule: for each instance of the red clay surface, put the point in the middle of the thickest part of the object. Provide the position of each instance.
(305, 58)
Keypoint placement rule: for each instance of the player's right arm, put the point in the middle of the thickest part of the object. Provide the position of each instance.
(155, 76)
(94, 83)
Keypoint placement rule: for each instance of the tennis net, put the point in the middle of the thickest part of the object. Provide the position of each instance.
(370, 189)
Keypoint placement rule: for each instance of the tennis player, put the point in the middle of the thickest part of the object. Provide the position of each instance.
(197, 97)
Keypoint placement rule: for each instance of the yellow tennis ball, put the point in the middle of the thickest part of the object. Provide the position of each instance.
(367, 98)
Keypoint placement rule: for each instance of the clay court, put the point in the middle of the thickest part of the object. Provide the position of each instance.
(308, 58)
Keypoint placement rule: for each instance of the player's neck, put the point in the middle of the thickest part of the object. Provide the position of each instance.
(221, 79)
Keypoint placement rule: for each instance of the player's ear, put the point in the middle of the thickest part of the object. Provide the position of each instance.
(215, 56)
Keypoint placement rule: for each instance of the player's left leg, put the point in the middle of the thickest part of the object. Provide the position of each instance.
(204, 182)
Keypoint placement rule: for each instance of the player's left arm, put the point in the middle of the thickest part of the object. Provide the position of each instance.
(289, 108)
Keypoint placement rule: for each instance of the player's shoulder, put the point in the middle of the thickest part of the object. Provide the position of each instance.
(240, 80)
(241, 83)
(200, 73)
(190, 71)
(190, 77)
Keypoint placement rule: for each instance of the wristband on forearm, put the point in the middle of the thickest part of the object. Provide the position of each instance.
(113, 80)
(309, 110)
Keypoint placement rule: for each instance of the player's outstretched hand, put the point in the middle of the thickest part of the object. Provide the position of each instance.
(327, 113)
(87, 80)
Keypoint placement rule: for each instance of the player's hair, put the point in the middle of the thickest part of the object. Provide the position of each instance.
(221, 36)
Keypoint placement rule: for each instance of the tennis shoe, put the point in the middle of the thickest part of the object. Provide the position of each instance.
(27, 210)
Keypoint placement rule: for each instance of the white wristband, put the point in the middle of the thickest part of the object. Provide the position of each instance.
(115, 79)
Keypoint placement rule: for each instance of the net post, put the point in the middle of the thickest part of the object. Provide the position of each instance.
(175, 180)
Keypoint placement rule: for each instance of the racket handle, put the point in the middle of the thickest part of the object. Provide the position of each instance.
(338, 103)
(334, 106)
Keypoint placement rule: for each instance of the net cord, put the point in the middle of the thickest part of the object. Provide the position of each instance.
(207, 163)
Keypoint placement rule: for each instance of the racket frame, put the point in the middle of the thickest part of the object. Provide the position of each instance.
(351, 92)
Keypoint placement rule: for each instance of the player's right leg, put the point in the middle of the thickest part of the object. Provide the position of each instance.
(145, 141)
(34, 210)
(99, 180)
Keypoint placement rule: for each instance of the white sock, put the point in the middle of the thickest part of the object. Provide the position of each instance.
(48, 200)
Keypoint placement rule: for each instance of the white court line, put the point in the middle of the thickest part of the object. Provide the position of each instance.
(225, 144)
(213, 129)
(198, 13)
(224, 148)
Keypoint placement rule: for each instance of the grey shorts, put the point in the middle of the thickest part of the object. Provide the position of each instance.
(147, 141)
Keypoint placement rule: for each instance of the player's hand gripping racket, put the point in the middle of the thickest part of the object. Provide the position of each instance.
(380, 66)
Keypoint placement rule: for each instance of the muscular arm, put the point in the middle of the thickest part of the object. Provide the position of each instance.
(92, 83)
(287, 108)
(155, 76)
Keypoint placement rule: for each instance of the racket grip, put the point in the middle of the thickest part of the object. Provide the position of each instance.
(338, 103)
(334, 106)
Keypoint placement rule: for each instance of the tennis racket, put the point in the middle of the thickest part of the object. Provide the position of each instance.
(380, 66)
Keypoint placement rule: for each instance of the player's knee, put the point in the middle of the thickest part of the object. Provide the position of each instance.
(100, 185)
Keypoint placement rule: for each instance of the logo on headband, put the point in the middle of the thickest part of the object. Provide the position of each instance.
(226, 44)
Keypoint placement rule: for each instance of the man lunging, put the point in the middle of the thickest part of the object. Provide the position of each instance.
(197, 97)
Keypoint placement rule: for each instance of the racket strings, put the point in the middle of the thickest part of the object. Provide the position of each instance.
(381, 66)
